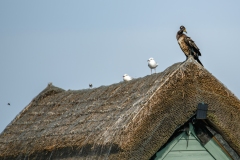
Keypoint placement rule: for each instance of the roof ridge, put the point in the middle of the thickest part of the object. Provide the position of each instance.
(190, 59)
(43, 93)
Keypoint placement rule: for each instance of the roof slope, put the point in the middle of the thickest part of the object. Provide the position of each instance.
(127, 120)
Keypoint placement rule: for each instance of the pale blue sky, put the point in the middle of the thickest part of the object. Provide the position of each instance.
(74, 43)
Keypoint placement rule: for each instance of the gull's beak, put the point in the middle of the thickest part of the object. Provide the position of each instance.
(185, 30)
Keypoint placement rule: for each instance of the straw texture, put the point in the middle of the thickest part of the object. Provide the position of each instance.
(127, 120)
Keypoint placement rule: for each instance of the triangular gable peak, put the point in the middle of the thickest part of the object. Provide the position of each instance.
(187, 144)
(120, 121)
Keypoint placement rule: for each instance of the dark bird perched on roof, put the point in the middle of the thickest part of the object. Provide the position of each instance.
(187, 44)
(90, 85)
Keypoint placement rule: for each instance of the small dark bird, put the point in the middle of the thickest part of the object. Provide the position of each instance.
(90, 85)
(187, 45)
(9, 104)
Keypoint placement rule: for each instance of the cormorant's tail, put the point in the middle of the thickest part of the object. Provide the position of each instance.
(196, 58)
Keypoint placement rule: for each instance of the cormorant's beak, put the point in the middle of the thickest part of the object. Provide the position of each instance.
(185, 31)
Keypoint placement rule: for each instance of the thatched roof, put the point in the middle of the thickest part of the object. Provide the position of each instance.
(127, 120)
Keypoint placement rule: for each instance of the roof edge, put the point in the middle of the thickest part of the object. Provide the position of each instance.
(50, 89)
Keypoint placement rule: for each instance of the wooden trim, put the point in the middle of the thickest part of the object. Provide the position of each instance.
(220, 145)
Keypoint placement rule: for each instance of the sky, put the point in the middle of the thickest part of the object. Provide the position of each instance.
(74, 43)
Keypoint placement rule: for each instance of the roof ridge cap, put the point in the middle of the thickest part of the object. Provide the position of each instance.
(45, 91)
(165, 80)
(192, 60)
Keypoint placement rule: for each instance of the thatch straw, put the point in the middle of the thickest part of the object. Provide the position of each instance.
(127, 120)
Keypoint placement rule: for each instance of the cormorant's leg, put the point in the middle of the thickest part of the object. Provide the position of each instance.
(186, 59)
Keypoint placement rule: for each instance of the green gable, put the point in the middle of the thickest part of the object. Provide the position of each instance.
(187, 146)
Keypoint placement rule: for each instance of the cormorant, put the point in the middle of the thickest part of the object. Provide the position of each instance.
(187, 45)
